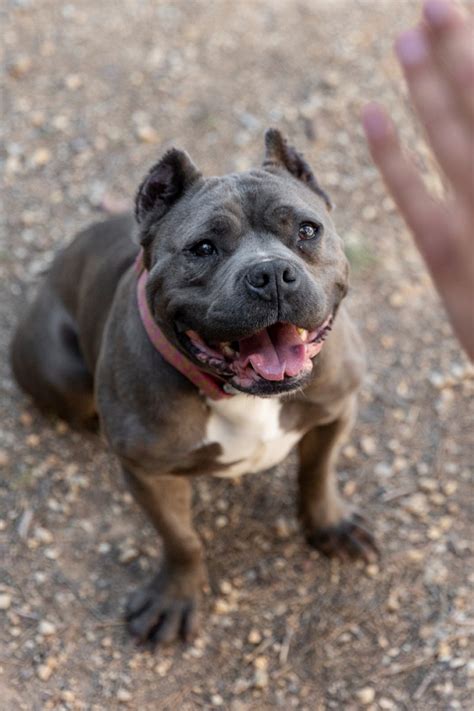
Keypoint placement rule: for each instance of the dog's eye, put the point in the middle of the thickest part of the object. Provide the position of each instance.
(309, 230)
(203, 249)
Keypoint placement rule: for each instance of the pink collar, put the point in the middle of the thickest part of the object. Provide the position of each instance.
(207, 384)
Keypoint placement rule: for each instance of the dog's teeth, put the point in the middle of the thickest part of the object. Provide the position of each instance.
(303, 333)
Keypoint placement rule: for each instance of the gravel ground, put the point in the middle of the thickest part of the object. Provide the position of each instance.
(93, 92)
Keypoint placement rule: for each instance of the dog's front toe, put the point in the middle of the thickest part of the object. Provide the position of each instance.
(160, 613)
(348, 540)
(160, 621)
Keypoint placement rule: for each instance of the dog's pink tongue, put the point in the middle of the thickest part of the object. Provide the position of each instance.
(274, 352)
(261, 353)
(289, 346)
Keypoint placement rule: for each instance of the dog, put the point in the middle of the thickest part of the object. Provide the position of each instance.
(208, 333)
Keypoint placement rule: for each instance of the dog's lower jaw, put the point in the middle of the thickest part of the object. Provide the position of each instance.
(270, 388)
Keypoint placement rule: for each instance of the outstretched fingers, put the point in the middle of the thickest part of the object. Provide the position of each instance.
(451, 39)
(425, 217)
(437, 103)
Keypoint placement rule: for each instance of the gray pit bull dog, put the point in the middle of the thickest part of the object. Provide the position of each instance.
(235, 348)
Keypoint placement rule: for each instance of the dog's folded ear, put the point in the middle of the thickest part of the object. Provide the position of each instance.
(278, 154)
(165, 183)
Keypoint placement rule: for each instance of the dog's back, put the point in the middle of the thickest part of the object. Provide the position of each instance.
(57, 342)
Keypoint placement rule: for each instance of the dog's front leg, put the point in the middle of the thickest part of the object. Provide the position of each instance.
(167, 607)
(328, 524)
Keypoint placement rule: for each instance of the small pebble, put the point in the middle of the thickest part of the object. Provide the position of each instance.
(254, 636)
(427, 484)
(221, 606)
(226, 587)
(368, 445)
(73, 82)
(372, 570)
(51, 553)
(366, 695)
(282, 530)
(5, 601)
(434, 533)
(123, 696)
(450, 487)
(44, 672)
(147, 134)
(382, 469)
(4, 459)
(41, 157)
(417, 505)
(350, 451)
(443, 652)
(67, 696)
(42, 535)
(46, 628)
(163, 667)
(260, 678)
(350, 488)
(20, 66)
(127, 555)
(26, 419)
(392, 603)
(457, 663)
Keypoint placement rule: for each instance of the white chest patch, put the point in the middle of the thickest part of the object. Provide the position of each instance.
(248, 430)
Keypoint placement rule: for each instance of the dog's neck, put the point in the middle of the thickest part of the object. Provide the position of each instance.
(210, 387)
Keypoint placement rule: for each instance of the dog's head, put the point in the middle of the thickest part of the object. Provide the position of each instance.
(246, 271)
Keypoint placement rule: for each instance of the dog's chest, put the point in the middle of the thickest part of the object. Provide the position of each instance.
(249, 432)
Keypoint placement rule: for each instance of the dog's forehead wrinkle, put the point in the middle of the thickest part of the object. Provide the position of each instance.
(280, 198)
(255, 195)
(219, 198)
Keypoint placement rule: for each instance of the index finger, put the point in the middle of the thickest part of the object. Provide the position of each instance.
(451, 36)
(425, 217)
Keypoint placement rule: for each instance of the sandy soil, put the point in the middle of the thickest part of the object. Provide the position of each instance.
(93, 93)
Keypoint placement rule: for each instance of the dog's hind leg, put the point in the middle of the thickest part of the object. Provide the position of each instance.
(47, 361)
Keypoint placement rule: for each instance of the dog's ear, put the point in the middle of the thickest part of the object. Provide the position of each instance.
(278, 154)
(166, 181)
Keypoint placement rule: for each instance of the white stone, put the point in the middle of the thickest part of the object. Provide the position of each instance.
(5, 601)
(366, 695)
(46, 628)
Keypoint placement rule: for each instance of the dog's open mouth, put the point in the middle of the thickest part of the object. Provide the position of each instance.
(276, 353)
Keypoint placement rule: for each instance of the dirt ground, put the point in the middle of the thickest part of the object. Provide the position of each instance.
(93, 93)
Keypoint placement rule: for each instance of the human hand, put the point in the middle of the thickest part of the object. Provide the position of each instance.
(437, 58)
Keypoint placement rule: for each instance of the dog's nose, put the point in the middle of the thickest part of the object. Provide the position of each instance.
(273, 279)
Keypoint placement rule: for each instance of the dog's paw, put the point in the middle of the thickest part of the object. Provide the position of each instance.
(164, 611)
(348, 540)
